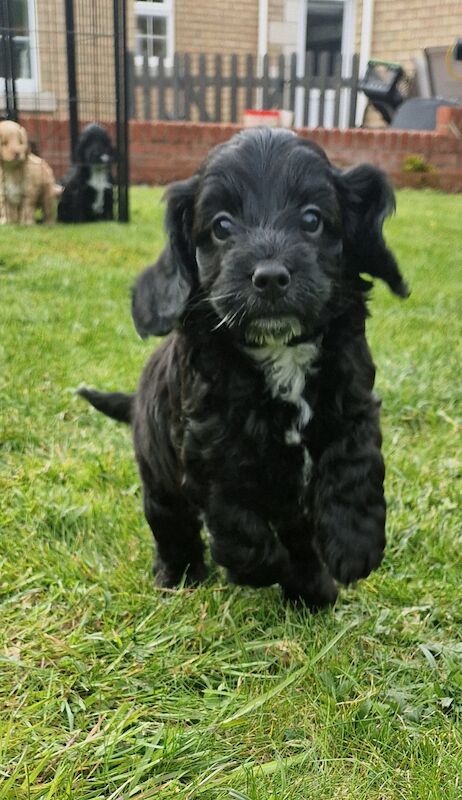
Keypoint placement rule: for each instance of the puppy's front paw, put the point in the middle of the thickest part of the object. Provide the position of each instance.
(350, 558)
(320, 592)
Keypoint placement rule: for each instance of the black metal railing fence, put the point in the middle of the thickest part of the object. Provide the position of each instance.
(64, 64)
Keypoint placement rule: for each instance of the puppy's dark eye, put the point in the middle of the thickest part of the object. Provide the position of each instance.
(311, 220)
(222, 227)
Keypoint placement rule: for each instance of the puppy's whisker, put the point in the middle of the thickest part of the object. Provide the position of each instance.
(242, 311)
(208, 301)
(224, 321)
(230, 317)
(216, 298)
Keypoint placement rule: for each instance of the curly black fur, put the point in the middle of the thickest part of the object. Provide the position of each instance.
(256, 417)
(87, 195)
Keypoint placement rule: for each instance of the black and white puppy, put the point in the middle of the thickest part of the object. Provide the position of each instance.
(87, 195)
(256, 418)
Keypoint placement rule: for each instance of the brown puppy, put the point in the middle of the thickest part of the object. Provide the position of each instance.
(26, 181)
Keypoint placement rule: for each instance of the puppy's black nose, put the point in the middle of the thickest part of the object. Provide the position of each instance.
(271, 280)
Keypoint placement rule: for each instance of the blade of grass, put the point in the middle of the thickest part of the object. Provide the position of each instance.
(289, 680)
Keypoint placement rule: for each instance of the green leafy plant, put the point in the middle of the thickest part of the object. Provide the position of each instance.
(417, 163)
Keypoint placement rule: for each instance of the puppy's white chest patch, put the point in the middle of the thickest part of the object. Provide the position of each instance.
(99, 182)
(14, 188)
(286, 370)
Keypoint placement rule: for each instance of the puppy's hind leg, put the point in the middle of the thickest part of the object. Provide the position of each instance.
(180, 549)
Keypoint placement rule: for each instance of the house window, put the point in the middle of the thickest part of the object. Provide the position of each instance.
(24, 52)
(154, 30)
(324, 30)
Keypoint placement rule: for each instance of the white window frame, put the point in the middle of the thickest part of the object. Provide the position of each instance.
(28, 85)
(164, 10)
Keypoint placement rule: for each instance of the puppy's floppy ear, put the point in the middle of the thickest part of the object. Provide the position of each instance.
(367, 199)
(24, 137)
(162, 291)
(79, 152)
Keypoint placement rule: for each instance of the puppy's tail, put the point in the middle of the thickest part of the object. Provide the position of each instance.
(117, 405)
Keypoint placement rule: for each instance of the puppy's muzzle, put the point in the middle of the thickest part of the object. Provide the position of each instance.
(271, 280)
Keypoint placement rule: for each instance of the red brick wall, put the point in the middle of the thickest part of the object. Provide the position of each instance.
(165, 151)
(161, 152)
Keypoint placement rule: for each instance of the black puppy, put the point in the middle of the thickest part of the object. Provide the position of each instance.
(256, 418)
(88, 188)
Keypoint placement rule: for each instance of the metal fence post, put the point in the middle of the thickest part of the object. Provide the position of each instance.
(71, 76)
(121, 92)
(6, 60)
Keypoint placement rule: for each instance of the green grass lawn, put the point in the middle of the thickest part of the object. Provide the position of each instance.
(112, 689)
